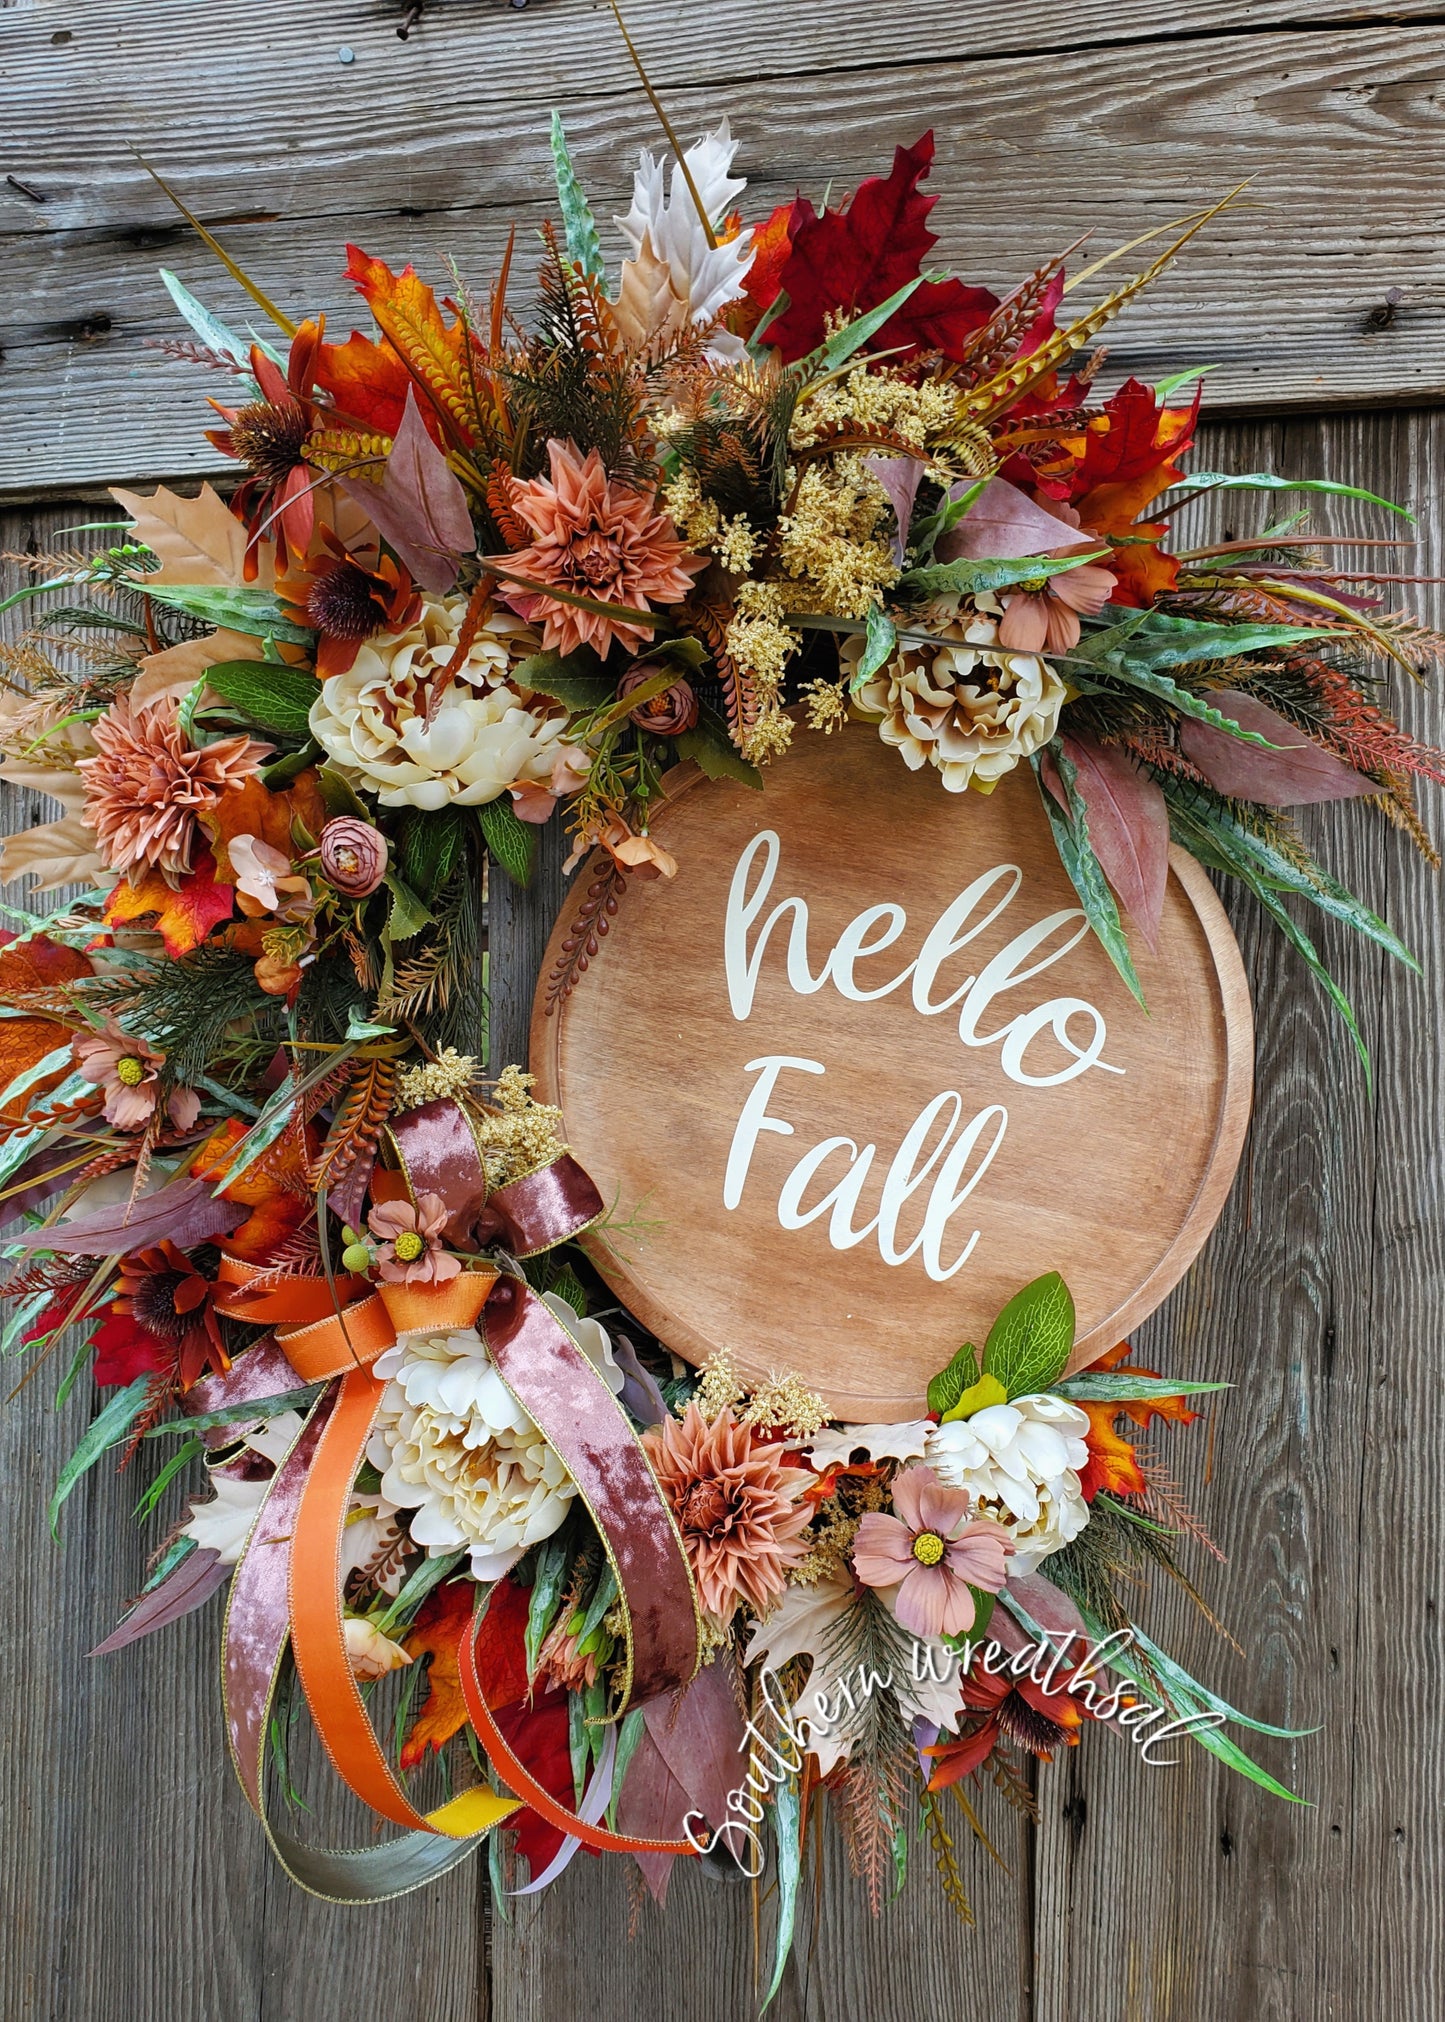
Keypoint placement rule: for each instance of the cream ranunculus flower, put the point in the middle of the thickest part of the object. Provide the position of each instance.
(964, 705)
(1019, 1462)
(368, 1651)
(456, 1449)
(486, 734)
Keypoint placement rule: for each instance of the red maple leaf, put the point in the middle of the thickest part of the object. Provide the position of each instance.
(852, 259)
(182, 917)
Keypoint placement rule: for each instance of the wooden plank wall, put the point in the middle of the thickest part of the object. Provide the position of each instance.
(133, 1881)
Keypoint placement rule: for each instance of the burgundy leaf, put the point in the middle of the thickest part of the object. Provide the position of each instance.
(1298, 772)
(185, 1210)
(640, 1391)
(699, 1735)
(1003, 524)
(419, 507)
(198, 1576)
(899, 476)
(1128, 821)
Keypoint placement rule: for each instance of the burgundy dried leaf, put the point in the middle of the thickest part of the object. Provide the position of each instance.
(1128, 820)
(419, 507)
(184, 1211)
(1298, 772)
(899, 477)
(199, 1575)
(1003, 524)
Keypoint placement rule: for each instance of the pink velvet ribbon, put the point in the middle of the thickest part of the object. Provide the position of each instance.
(582, 1421)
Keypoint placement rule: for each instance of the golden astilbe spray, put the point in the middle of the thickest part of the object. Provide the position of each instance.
(998, 394)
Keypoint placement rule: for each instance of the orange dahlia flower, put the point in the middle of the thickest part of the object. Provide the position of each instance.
(739, 1509)
(594, 536)
(149, 783)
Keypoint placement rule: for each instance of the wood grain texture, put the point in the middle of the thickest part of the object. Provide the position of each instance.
(848, 866)
(1328, 285)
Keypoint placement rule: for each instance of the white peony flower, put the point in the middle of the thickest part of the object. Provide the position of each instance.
(485, 735)
(964, 705)
(835, 1445)
(666, 226)
(456, 1448)
(1019, 1462)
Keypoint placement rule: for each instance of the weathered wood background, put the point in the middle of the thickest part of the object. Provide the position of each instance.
(133, 1883)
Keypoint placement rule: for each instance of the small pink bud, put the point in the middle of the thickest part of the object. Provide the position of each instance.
(353, 856)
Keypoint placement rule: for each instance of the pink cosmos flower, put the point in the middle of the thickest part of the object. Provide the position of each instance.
(129, 1072)
(411, 1252)
(1046, 620)
(931, 1553)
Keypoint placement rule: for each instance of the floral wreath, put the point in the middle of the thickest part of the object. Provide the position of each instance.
(478, 576)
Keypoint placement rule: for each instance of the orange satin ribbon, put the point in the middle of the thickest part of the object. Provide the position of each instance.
(318, 1636)
(519, 1779)
(291, 1298)
(354, 1338)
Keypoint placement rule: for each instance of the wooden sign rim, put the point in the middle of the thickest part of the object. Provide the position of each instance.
(1221, 1165)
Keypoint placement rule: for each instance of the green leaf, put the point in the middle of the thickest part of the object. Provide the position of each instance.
(431, 845)
(878, 643)
(945, 1389)
(340, 796)
(1028, 1345)
(177, 1550)
(430, 1573)
(1086, 873)
(602, 1599)
(1185, 1697)
(709, 745)
(257, 612)
(965, 576)
(584, 248)
(108, 1429)
(210, 329)
(181, 1458)
(1259, 480)
(277, 698)
(574, 678)
(787, 1837)
(512, 843)
(1146, 642)
(408, 915)
(553, 1559)
(1164, 387)
(628, 1736)
(837, 349)
(978, 1397)
(1108, 1388)
(240, 1414)
(1214, 850)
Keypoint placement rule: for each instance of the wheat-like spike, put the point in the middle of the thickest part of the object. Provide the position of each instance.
(357, 1124)
(585, 935)
(1008, 386)
(941, 1840)
(345, 451)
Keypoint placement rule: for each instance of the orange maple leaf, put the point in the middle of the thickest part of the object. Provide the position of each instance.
(367, 381)
(1111, 1463)
(183, 917)
(436, 1633)
(274, 1188)
(409, 316)
(253, 809)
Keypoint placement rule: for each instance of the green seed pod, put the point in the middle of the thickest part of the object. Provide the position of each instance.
(356, 1257)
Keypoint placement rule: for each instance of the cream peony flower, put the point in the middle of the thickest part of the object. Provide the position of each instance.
(964, 705)
(369, 1652)
(456, 1448)
(485, 735)
(1019, 1462)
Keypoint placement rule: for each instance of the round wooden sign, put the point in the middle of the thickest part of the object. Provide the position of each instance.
(860, 1071)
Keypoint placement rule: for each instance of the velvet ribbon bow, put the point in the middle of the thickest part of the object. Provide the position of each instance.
(288, 1584)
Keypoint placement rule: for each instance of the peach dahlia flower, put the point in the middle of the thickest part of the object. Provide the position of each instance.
(736, 1506)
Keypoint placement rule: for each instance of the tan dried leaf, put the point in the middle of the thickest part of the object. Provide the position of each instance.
(648, 309)
(56, 780)
(59, 852)
(172, 674)
(199, 540)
